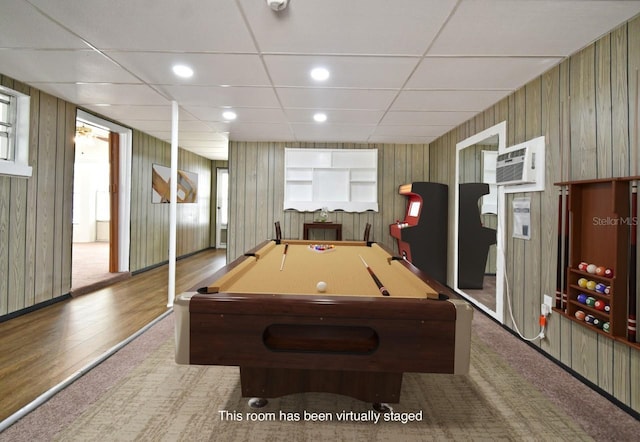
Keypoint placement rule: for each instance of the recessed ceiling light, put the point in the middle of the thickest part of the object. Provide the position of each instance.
(320, 74)
(182, 71)
(229, 115)
(320, 117)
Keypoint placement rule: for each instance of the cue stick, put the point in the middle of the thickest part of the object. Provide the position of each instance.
(284, 256)
(382, 289)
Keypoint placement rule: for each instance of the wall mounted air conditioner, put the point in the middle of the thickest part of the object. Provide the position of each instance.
(521, 167)
(516, 166)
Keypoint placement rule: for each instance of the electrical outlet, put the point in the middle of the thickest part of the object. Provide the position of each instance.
(548, 301)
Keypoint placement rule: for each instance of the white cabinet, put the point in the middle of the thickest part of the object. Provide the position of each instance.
(338, 179)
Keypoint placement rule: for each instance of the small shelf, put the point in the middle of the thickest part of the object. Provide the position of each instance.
(338, 179)
(595, 241)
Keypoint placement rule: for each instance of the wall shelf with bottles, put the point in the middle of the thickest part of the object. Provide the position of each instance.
(598, 264)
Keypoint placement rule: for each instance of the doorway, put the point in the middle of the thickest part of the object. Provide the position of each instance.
(100, 204)
(222, 205)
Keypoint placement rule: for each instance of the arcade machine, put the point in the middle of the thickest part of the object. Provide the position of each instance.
(422, 235)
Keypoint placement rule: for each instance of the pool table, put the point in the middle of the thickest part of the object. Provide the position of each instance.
(264, 313)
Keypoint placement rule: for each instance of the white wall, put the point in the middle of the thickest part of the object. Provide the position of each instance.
(90, 189)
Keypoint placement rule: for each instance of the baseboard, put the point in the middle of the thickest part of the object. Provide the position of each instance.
(160, 264)
(34, 307)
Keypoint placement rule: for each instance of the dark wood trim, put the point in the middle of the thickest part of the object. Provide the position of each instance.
(114, 190)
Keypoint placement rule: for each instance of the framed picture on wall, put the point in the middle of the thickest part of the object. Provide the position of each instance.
(161, 185)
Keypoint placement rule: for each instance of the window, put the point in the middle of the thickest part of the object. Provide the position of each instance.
(5, 125)
(14, 133)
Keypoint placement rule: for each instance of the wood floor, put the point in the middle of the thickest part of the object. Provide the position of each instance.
(39, 350)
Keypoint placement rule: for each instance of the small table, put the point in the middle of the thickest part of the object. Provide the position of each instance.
(328, 225)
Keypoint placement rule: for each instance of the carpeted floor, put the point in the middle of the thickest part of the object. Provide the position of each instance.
(90, 268)
(141, 394)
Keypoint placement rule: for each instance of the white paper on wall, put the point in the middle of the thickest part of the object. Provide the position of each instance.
(522, 218)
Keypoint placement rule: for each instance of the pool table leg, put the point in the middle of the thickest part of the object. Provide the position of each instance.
(382, 407)
(373, 387)
(258, 402)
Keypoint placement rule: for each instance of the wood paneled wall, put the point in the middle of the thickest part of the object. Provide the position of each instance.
(587, 109)
(35, 212)
(150, 222)
(256, 173)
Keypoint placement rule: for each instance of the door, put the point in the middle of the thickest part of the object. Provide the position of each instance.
(222, 205)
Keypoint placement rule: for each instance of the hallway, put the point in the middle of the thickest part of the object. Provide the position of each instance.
(43, 348)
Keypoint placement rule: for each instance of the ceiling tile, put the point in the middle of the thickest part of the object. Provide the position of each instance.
(332, 132)
(209, 69)
(531, 27)
(245, 115)
(401, 27)
(432, 118)
(327, 98)
(478, 72)
(411, 130)
(62, 66)
(41, 32)
(148, 125)
(447, 101)
(350, 72)
(135, 112)
(403, 139)
(335, 116)
(260, 132)
(223, 96)
(163, 25)
(99, 93)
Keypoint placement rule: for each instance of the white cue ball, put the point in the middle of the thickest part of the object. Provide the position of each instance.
(321, 286)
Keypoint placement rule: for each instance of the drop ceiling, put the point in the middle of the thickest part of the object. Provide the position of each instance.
(402, 71)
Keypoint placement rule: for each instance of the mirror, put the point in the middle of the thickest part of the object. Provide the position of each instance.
(479, 205)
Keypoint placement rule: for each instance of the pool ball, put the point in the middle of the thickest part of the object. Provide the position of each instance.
(583, 266)
(608, 273)
(321, 286)
(580, 315)
(591, 268)
(599, 305)
(591, 301)
(591, 285)
(582, 282)
(607, 290)
(606, 327)
(607, 308)
(582, 298)
(598, 322)
(589, 319)
(600, 271)
(600, 287)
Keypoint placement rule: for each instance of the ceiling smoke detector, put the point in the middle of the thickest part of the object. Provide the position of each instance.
(277, 5)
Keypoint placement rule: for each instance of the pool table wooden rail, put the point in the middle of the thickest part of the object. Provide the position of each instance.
(228, 330)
